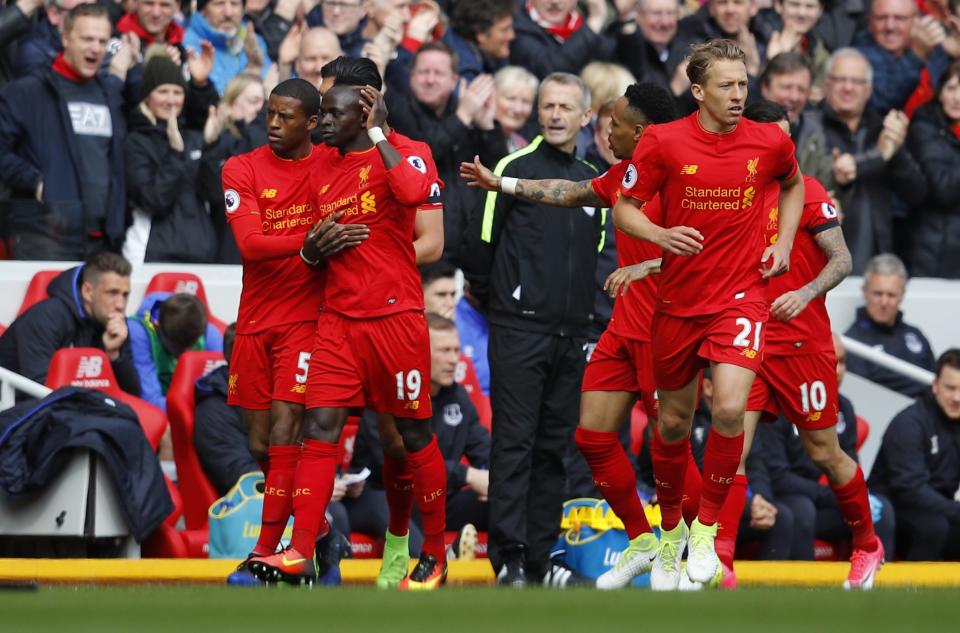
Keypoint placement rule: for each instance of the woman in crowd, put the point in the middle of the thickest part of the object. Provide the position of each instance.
(516, 90)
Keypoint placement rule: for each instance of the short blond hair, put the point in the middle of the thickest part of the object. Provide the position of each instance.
(706, 54)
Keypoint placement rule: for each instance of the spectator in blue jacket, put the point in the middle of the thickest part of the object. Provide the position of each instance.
(16, 21)
(238, 49)
(480, 33)
(61, 147)
(880, 324)
(899, 45)
(166, 326)
(553, 36)
(919, 467)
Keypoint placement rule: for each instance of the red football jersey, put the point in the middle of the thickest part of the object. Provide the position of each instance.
(809, 331)
(380, 276)
(268, 207)
(714, 183)
(632, 312)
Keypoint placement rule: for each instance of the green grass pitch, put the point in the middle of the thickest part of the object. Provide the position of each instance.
(183, 609)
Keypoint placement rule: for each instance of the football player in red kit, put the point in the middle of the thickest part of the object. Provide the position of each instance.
(372, 345)
(711, 170)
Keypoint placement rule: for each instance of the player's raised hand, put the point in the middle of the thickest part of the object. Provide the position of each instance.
(680, 240)
(619, 280)
(374, 107)
(788, 305)
(775, 260)
(477, 175)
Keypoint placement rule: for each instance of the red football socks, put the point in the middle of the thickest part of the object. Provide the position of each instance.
(614, 477)
(264, 465)
(669, 469)
(312, 488)
(720, 463)
(430, 486)
(398, 486)
(730, 513)
(277, 498)
(692, 484)
(855, 506)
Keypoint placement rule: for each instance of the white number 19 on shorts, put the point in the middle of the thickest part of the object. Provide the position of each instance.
(412, 383)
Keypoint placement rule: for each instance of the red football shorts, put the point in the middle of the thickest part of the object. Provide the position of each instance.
(803, 388)
(381, 363)
(622, 364)
(683, 345)
(271, 365)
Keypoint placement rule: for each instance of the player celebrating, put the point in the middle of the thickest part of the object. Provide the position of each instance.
(268, 208)
(372, 345)
(620, 367)
(711, 170)
(798, 376)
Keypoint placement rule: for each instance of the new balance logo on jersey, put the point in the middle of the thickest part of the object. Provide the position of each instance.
(90, 367)
(268, 193)
(689, 170)
(298, 389)
(749, 353)
(368, 202)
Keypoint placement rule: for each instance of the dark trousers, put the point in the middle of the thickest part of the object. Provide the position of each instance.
(370, 515)
(772, 544)
(535, 395)
(465, 506)
(827, 523)
(926, 535)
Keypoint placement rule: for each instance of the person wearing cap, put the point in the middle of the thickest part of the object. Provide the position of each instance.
(169, 178)
(237, 48)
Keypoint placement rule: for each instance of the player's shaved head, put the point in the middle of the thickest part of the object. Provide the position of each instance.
(651, 103)
(765, 111)
(301, 90)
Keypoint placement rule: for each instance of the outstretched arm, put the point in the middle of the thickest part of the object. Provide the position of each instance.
(838, 266)
(557, 193)
(628, 216)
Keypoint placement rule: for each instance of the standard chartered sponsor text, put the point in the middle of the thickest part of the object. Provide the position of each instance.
(712, 199)
(287, 218)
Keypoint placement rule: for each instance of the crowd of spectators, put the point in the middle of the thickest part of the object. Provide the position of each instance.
(114, 122)
(116, 118)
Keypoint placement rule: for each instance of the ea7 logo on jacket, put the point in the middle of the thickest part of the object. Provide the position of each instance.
(90, 119)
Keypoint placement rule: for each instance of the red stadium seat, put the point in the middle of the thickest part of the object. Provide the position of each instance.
(90, 368)
(184, 282)
(466, 375)
(198, 492)
(37, 289)
(863, 432)
(638, 424)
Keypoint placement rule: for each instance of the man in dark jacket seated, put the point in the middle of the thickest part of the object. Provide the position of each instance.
(218, 434)
(919, 467)
(86, 308)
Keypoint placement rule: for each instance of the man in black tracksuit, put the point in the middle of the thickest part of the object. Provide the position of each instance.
(918, 467)
(533, 266)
